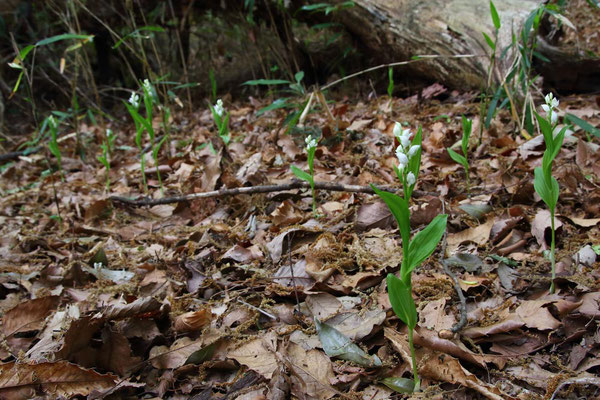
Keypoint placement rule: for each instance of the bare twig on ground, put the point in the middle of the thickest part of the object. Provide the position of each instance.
(457, 327)
(336, 187)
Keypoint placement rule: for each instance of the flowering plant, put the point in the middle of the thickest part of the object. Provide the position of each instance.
(150, 98)
(311, 147)
(544, 183)
(416, 249)
(221, 121)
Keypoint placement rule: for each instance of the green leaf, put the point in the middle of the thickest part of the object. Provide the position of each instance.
(277, 104)
(305, 176)
(583, 124)
(201, 355)
(400, 385)
(424, 243)
(64, 36)
(299, 76)
(151, 28)
(399, 208)
(400, 296)
(489, 41)
(467, 125)
(266, 82)
(390, 88)
(492, 107)
(548, 190)
(457, 157)
(495, 17)
(335, 344)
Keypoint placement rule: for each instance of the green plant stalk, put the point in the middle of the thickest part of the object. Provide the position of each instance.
(552, 252)
(414, 360)
(311, 158)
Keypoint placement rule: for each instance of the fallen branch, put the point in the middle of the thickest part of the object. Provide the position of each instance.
(462, 307)
(335, 187)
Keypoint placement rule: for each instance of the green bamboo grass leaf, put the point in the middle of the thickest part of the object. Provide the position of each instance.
(457, 157)
(583, 125)
(277, 104)
(402, 301)
(400, 385)
(256, 82)
(424, 243)
(492, 107)
(495, 17)
(399, 208)
(65, 36)
(150, 28)
(305, 176)
(335, 344)
(489, 41)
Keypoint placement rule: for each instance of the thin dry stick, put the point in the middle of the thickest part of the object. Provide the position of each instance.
(394, 64)
(292, 269)
(336, 187)
(463, 302)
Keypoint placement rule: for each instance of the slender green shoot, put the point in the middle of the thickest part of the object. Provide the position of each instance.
(53, 144)
(311, 147)
(221, 120)
(463, 159)
(544, 183)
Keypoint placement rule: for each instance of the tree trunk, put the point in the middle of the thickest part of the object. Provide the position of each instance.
(397, 30)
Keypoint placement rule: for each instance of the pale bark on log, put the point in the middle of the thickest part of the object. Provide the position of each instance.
(396, 30)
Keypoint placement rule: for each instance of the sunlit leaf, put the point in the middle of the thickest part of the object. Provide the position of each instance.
(403, 304)
(335, 344)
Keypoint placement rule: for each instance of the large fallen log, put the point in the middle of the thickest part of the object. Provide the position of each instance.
(396, 30)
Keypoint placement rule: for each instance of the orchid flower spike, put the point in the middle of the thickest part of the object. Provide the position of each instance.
(219, 108)
(311, 143)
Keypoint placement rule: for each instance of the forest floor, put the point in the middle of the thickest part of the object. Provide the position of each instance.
(216, 297)
(206, 299)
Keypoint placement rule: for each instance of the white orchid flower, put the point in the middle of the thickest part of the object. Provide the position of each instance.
(413, 150)
(311, 143)
(52, 121)
(134, 100)
(402, 158)
(551, 100)
(397, 129)
(410, 179)
(219, 108)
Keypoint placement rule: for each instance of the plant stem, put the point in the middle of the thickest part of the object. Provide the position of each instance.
(312, 187)
(143, 167)
(414, 360)
(552, 250)
(468, 181)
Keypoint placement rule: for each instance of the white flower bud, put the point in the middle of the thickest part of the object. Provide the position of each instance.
(413, 150)
(410, 179)
(397, 129)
